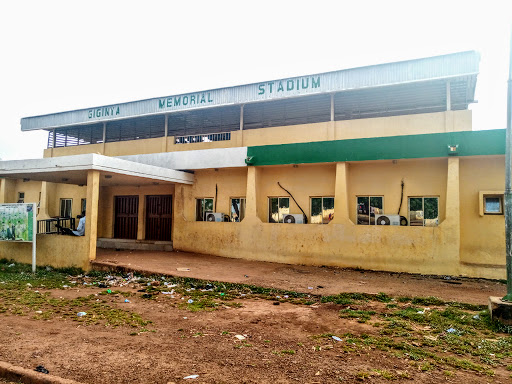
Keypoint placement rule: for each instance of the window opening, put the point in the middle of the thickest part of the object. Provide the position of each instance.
(493, 205)
(424, 211)
(367, 208)
(65, 207)
(322, 210)
(21, 197)
(203, 207)
(237, 209)
(278, 208)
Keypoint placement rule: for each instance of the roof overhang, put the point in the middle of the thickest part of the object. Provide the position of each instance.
(461, 68)
(74, 169)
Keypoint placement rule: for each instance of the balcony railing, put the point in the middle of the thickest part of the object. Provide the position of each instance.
(49, 226)
(207, 138)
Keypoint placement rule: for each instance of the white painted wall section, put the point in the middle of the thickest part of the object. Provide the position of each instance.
(198, 159)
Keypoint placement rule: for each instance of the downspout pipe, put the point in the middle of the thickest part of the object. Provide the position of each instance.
(508, 183)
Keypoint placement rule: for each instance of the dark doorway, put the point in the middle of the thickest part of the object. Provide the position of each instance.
(126, 220)
(158, 217)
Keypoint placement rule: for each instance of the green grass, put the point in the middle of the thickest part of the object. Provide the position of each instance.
(362, 316)
(20, 296)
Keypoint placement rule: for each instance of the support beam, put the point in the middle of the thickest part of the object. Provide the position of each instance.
(43, 202)
(54, 141)
(448, 97)
(451, 223)
(251, 197)
(104, 138)
(91, 215)
(242, 117)
(166, 132)
(341, 200)
(7, 191)
(332, 106)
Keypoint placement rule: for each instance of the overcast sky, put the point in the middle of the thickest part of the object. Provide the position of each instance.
(65, 55)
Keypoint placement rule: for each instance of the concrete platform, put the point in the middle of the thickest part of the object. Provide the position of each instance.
(500, 310)
(141, 245)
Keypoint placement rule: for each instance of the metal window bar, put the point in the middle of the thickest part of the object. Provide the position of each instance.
(206, 138)
(49, 226)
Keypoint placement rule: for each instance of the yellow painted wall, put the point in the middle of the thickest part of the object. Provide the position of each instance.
(106, 205)
(231, 182)
(482, 237)
(422, 178)
(428, 250)
(464, 243)
(338, 130)
(55, 250)
(56, 192)
(404, 125)
(131, 147)
(30, 188)
(74, 150)
(303, 182)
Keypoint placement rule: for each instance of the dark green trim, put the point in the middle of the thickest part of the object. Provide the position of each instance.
(472, 143)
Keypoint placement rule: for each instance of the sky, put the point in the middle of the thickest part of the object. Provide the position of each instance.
(64, 55)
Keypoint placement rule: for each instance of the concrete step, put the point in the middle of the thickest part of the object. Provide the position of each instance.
(143, 245)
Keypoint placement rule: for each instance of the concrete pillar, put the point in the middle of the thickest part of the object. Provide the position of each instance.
(43, 202)
(341, 198)
(180, 214)
(91, 214)
(453, 193)
(251, 196)
(141, 230)
(3, 183)
(7, 191)
(451, 224)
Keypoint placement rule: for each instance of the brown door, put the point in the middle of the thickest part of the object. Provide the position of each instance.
(126, 217)
(158, 217)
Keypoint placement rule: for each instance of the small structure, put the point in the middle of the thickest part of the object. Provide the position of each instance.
(376, 167)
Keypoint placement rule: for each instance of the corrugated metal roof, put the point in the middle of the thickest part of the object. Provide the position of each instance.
(460, 67)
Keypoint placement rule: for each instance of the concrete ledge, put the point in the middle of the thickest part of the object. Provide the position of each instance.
(500, 310)
(27, 376)
(142, 245)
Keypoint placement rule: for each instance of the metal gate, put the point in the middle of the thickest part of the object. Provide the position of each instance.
(126, 220)
(158, 217)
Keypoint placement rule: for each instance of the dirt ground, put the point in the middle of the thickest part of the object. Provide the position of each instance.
(300, 278)
(249, 339)
(279, 347)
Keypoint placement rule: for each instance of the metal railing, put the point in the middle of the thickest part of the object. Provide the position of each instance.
(49, 226)
(206, 138)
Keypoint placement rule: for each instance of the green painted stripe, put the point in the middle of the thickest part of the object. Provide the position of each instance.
(472, 143)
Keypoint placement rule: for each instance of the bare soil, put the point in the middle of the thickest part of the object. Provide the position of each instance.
(203, 343)
(256, 341)
(301, 278)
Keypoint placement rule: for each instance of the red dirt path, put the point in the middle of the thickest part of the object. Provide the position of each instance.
(301, 278)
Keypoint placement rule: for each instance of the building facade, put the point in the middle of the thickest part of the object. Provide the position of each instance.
(375, 167)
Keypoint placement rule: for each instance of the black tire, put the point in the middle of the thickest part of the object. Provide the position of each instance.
(403, 221)
(382, 220)
(210, 217)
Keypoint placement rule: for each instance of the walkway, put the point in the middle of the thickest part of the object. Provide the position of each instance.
(317, 280)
